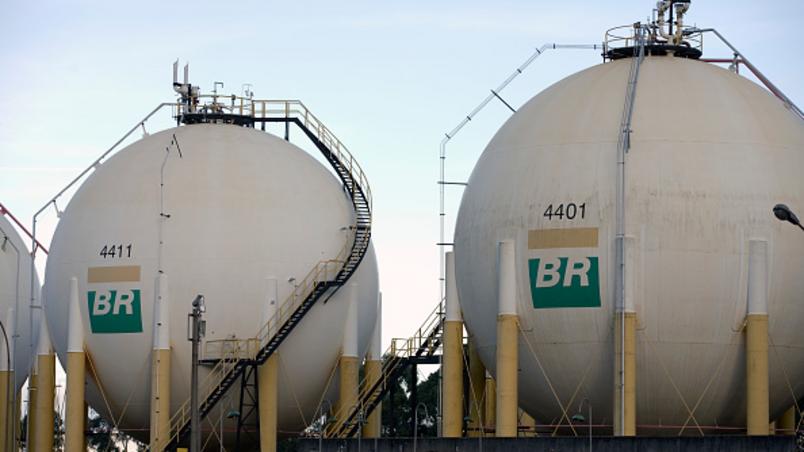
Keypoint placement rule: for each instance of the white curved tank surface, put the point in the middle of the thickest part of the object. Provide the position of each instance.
(711, 154)
(15, 293)
(232, 209)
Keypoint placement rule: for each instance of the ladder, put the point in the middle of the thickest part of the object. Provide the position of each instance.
(424, 342)
(321, 282)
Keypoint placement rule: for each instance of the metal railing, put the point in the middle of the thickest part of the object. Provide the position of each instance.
(625, 36)
(232, 352)
(425, 341)
(282, 109)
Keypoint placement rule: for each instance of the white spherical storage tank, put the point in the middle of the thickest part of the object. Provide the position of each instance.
(22, 328)
(711, 154)
(222, 214)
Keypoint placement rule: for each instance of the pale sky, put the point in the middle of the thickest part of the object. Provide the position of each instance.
(388, 78)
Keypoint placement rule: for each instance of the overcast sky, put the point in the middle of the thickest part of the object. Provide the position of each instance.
(388, 78)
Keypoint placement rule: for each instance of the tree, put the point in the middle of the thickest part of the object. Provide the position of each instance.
(397, 413)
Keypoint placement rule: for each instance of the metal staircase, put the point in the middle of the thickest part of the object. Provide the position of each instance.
(400, 354)
(320, 283)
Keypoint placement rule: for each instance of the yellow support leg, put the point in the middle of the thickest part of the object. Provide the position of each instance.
(490, 416)
(76, 414)
(786, 424)
(453, 379)
(6, 413)
(372, 429)
(625, 424)
(347, 391)
(507, 382)
(45, 395)
(33, 389)
(477, 383)
(756, 361)
(160, 398)
(268, 375)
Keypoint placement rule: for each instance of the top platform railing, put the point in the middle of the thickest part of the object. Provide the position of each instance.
(273, 109)
(624, 36)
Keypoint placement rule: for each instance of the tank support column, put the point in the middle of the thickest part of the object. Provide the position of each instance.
(490, 407)
(7, 385)
(625, 321)
(76, 375)
(349, 365)
(45, 392)
(33, 386)
(453, 357)
(507, 342)
(786, 424)
(160, 367)
(267, 379)
(756, 340)
(373, 371)
(625, 332)
(477, 383)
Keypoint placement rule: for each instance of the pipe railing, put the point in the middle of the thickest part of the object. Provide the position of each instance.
(425, 340)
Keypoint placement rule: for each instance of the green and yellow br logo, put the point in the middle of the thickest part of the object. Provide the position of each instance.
(563, 274)
(564, 282)
(115, 311)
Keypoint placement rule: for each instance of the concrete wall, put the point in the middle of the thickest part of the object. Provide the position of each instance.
(607, 444)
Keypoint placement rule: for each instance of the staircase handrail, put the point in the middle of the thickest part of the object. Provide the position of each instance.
(399, 349)
(287, 109)
(325, 271)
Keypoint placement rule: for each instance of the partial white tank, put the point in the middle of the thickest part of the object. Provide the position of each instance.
(711, 154)
(229, 210)
(15, 293)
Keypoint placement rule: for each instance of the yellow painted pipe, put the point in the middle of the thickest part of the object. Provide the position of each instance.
(75, 414)
(45, 396)
(267, 386)
(373, 427)
(6, 414)
(33, 389)
(756, 380)
(477, 383)
(160, 398)
(786, 424)
(347, 391)
(490, 416)
(625, 425)
(452, 375)
(507, 384)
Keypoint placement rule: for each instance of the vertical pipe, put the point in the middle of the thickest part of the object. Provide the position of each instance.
(756, 340)
(477, 383)
(45, 392)
(452, 358)
(507, 342)
(349, 365)
(786, 424)
(160, 366)
(373, 427)
(76, 374)
(267, 376)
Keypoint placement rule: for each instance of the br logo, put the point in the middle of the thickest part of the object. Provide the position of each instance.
(115, 311)
(564, 282)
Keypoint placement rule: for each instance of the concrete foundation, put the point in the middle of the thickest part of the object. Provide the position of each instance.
(579, 444)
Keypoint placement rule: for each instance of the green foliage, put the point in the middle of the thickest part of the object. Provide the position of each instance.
(399, 422)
